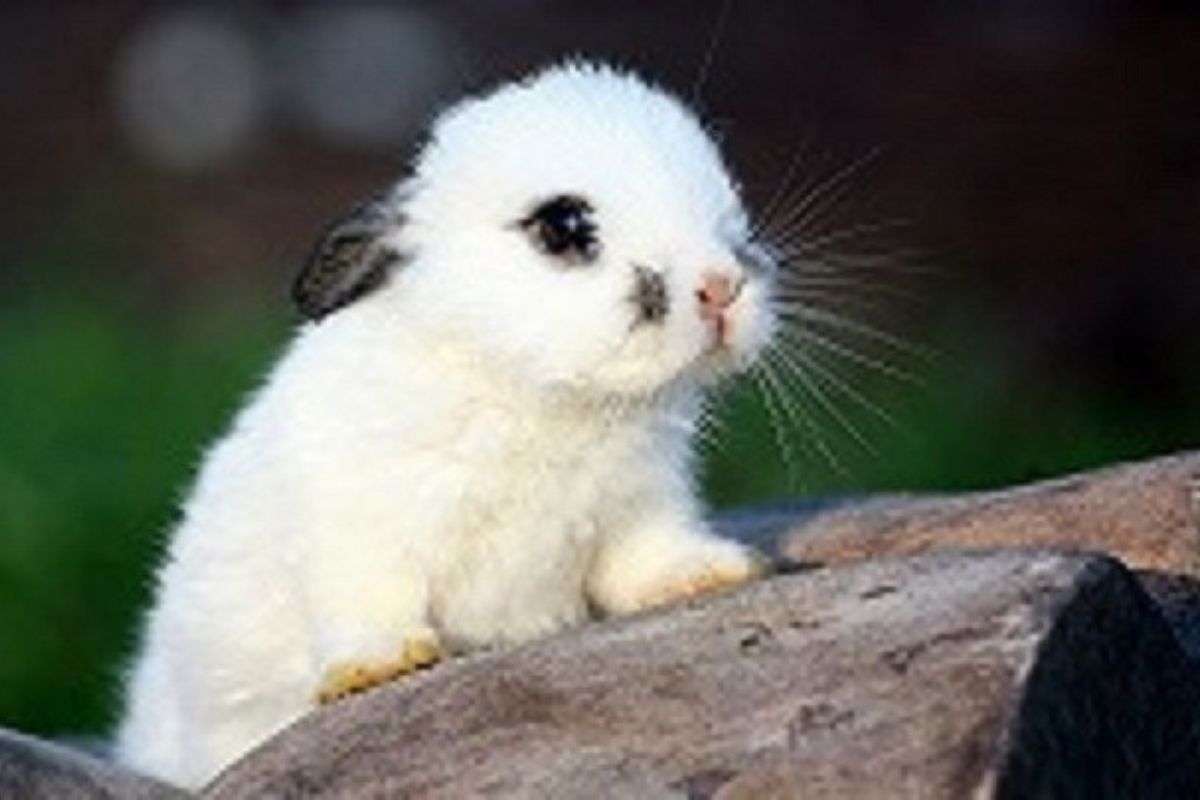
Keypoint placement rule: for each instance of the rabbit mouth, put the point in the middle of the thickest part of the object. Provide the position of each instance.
(732, 343)
(719, 357)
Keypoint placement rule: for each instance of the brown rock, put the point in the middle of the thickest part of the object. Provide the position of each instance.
(1147, 514)
(1011, 674)
(31, 769)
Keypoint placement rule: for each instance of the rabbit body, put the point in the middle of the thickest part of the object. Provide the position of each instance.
(480, 446)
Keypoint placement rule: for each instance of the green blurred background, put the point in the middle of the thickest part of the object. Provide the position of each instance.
(165, 166)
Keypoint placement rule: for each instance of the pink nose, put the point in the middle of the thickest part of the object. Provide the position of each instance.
(715, 294)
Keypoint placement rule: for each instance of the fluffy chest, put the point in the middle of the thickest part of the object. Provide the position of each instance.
(514, 552)
(498, 496)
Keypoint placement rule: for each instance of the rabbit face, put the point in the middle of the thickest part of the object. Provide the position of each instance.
(580, 228)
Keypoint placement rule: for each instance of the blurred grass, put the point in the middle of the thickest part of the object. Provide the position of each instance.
(105, 410)
(103, 414)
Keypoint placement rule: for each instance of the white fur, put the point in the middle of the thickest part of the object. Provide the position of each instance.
(481, 448)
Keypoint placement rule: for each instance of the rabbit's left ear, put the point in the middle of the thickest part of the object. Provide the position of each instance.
(351, 259)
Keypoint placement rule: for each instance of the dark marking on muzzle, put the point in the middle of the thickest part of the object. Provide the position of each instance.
(649, 296)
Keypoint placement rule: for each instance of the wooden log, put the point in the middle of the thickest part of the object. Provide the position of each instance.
(1010, 674)
(1147, 514)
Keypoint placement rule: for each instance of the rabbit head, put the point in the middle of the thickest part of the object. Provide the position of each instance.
(578, 228)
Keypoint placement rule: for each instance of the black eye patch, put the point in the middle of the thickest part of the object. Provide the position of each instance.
(563, 227)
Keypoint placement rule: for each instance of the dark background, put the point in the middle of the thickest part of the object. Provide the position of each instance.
(1034, 170)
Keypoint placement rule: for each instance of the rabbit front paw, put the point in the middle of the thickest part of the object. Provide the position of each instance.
(704, 578)
(351, 677)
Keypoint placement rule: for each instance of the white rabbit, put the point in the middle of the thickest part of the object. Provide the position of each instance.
(484, 429)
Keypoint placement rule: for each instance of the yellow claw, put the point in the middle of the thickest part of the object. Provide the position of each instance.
(352, 677)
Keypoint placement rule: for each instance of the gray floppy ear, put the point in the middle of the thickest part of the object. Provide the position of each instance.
(350, 259)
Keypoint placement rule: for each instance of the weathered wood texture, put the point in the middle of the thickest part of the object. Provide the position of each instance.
(1015, 674)
(1147, 514)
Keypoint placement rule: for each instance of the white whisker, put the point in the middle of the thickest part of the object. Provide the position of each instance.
(853, 233)
(782, 190)
(821, 198)
(710, 53)
(801, 337)
(810, 361)
(839, 290)
(802, 372)
(759, 376)
(802, 313)
(779, 372)
(778, 223)
(908, 261)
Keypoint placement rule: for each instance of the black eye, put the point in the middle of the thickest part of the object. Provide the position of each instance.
(563, 227)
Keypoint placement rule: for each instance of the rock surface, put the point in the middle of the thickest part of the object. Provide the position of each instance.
(1147, 514)
(31, 769)
(1013, 674)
